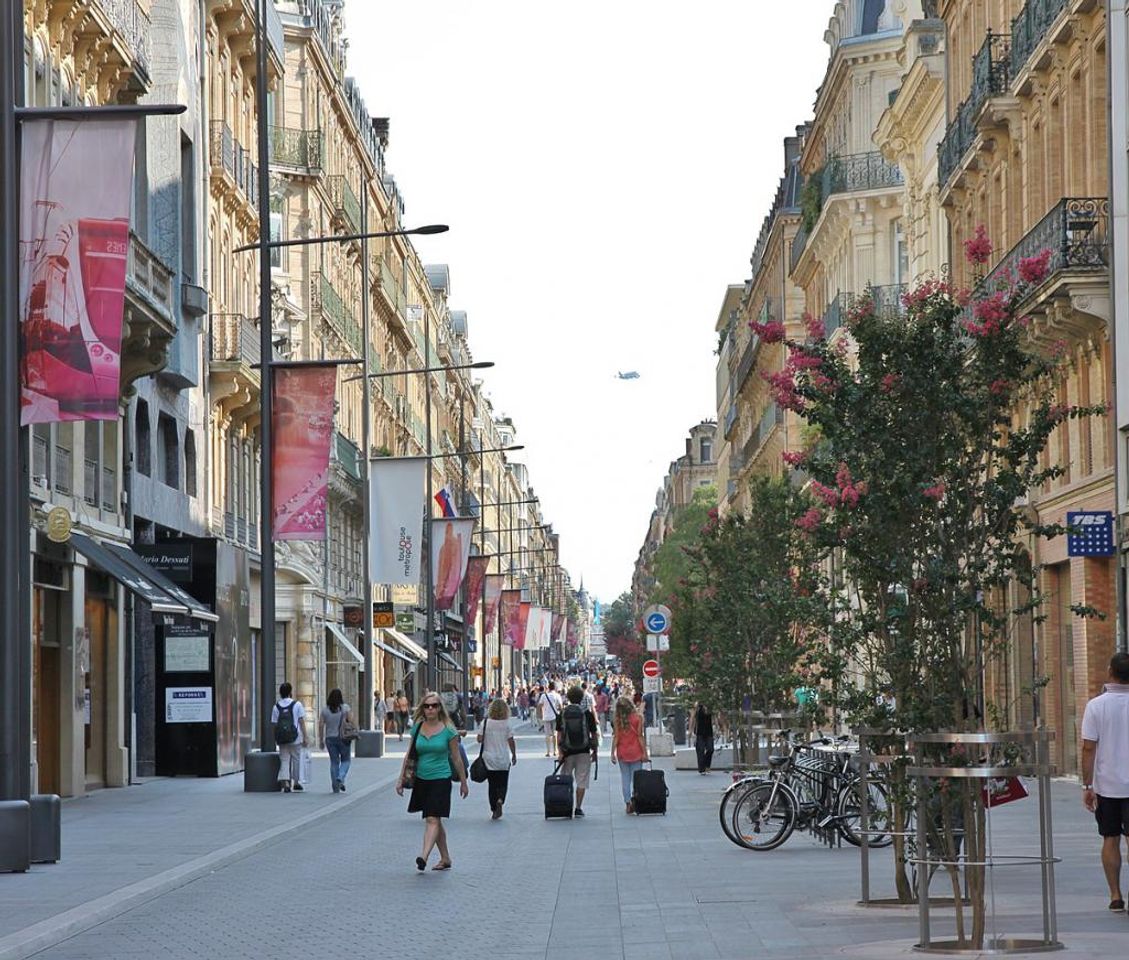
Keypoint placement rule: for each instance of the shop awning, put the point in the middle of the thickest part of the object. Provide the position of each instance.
(339, 636)
(143, 584)
(140, 566)
(396, 653)
(447, 658)
(406, 642)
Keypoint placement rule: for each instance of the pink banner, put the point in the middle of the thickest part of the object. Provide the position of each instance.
(303, 431)
(511, 617)
(76, 184)
(524, 611)
(494, 584)
(476, 573)
(450, 553)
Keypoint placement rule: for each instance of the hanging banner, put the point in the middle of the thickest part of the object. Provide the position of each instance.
(476, 573)
(302, 420)
(532, 626)
(494, 584)
(545, 636)
(521, 634)
(396, 508)
(76, 187)
(562, 626)
(450, 553)
(511, 615)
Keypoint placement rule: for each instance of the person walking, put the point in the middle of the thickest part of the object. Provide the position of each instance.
(577, 743)
(288, 717)
(629, 747)
(523, 704)
(603, 701)
(330, 722)
(550, 704)
(498, 752)
(379, 711)
(1105, 769)
(434, 751)
(701, 729)
(402, 708)
(390, 713)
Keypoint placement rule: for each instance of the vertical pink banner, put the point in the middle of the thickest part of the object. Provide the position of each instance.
(523, 613)
(303, 430)
(476, 573)
(76, 185)
(450, 553)
(494, 584)
(511, 617)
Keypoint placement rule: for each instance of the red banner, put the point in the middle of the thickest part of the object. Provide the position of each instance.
(76, 184)
(511, 616)
(523, 615)
(476, 573)
(303, 430)
(494, 584)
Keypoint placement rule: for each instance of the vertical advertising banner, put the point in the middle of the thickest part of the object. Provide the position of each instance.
(511, 617)
(450, 553)
(303, 430)
(396, 508)
(494, 584)
(76, 185)
(476, 573)
(521, 634)
(545, 636)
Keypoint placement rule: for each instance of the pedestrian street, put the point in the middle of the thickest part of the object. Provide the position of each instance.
(608, 886)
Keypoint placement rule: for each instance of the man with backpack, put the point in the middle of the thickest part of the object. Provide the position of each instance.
(289, 720)
(577, 743)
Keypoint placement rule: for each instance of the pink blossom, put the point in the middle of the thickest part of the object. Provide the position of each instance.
(801, 360)
(935, 492)
(810, 520)
(829, 495)
(889, 382)
(793, 458)
(772, 331)
(978, 249)
(823, 382)
(1033, 269)
(712, 513)
(999, 386)
(816, 328)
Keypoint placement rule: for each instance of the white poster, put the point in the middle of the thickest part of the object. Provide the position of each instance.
(546, 632)
(188, 704)
(188, 654)
(533, 628)
(397, 518)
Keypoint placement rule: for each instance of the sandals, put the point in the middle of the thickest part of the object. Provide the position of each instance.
(421, 864)
(1117, 904)
(442, 866)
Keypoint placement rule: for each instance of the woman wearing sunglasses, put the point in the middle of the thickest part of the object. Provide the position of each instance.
(435, 752)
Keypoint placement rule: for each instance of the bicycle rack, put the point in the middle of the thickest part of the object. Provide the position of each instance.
(866, 760)
(1041, 769)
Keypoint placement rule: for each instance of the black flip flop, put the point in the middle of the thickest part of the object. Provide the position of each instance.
(421, 864)
(1117, 904)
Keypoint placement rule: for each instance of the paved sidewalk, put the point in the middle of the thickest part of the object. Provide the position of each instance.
(608, 886)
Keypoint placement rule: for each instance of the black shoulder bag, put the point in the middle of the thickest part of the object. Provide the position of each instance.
(478, 768)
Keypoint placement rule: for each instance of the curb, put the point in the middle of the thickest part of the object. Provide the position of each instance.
(54, 930)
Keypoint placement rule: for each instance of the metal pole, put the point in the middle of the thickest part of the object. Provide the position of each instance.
(429, 586)
(266, 349)
(15, 662)
(366, 452)
(467, 627)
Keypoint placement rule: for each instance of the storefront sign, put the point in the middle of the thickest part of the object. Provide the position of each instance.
(188, 705)
(187, 651)
(405, 594)
(383, 616)
(174, 560)
(59, 525)
(1089, 533)
(406, 621)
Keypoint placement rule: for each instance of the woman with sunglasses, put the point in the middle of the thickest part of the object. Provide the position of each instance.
(435, 750)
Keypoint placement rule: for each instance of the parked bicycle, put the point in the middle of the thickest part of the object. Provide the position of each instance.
(813, 785)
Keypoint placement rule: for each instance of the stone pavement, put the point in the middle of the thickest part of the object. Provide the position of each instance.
(608, 886)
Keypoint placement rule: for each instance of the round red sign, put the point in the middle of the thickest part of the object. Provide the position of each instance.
(651, 668)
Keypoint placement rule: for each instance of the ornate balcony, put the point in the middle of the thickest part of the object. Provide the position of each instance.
(234, 354)
(297, 150)
(334, 312)
(232, 166)
(150, 317)
(1029, 28)
(346, 206)
(991, 76)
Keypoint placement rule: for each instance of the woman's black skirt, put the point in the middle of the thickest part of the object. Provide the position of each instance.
(431, 798)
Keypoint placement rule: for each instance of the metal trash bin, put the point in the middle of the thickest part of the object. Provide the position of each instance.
(260, 771)
(46, 828)
(678, 725)
(370, 743)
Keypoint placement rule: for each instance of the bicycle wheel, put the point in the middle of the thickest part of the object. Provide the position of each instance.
(765, 816)
(849, 813)
(729, 801)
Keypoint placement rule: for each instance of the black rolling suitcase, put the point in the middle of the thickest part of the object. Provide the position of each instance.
(558, 794)
(649, 792)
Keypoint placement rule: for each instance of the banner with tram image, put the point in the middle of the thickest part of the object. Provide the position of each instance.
(76, 187)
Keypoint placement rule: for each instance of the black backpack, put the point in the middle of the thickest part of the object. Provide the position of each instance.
(574, 730)
(285, 730)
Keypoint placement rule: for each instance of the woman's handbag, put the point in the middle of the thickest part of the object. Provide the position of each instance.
(478, 768)
(466, 763)
(409, 777)
(349, 729)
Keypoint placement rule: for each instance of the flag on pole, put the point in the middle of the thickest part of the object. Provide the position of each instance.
(494, 584)
(446, 501)
(76, 186)
(511, 617)
(396, 501)
(476, 573)
(450, 553)
(303, 430)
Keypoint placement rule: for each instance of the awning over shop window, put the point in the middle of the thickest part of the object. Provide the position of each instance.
(339, 635)
(396, 653)
(448, 659)
(140, 566)
(406, 642)
(143, 584)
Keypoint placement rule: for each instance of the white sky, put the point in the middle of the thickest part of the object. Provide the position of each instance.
(605, 168)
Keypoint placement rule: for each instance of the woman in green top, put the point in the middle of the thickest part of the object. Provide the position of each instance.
(435, 747)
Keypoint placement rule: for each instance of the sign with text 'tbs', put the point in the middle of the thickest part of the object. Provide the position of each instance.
(1089, 533)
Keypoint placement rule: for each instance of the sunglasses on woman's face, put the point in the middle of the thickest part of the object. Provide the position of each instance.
(431, 706)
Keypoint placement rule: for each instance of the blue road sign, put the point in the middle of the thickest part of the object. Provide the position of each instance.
(656, 619)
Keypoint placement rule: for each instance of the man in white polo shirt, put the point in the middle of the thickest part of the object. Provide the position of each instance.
(1105, 769)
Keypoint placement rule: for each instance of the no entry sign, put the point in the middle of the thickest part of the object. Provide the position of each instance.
(651, 668)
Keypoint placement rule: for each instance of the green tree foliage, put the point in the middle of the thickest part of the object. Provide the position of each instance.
(622, 637)
(671, 561)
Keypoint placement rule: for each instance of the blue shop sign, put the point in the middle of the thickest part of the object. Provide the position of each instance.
(1089, 533)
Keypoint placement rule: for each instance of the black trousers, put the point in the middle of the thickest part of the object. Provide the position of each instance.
(703, 746)
(499, 782)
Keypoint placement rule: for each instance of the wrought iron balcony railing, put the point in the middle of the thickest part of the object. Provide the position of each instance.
(348, 455)
(327, 301)
(747, 362)
(132, 23)
(234, 339)
(1029, 28)
(991, 76)
(345, 203)
(799, 243)
(290, 147)
(226, 153)
(1076, 231)
(860, 171)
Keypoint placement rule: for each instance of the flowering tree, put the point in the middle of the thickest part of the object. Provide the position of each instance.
(929, 424)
